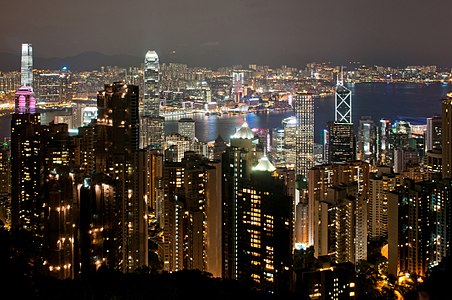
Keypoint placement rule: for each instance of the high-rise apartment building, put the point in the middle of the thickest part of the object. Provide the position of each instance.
(446, 136)
(380, 185)
(117, 155)
(264, 231)
(237, 163)
(419, 221)
(192, 215)
(339, 193)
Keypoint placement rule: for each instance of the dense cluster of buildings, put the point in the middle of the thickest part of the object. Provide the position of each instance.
(119, 193)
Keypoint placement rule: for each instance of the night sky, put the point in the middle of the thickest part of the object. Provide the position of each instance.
(225, 32)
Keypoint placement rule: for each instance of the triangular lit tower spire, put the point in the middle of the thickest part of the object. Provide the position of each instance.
(342, 101)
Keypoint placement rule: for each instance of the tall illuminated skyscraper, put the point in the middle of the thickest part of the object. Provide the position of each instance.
(26, 160)
(264, 231)
(342, 102)
(151, 101)
(237, 166)
(304, 111)
(151, 124)
(26, 68)
(341, 144)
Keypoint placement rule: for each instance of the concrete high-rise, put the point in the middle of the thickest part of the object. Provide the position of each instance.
(26, 67)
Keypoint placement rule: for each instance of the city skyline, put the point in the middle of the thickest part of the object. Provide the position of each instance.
(301, 149)
(226, 33)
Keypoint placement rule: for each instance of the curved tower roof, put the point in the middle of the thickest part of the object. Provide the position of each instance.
(151, 55)
(244, 132)
(264, 165)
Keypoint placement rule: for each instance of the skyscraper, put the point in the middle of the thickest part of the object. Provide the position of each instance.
(421, 213)
(264, 231)
(342, 102)
(151, 124)
(117, 155)
(367, 140)
(192, 215)
(151, 101)
(433, 133)
(446, 133)
(341, 143)
(380, 185)
(26, 68)
(238, 81)
(304, 112)
(26, 161)
(338, 195)
(384, 153)
(237, 164)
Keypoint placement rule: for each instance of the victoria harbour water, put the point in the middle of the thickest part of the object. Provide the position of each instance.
(379, 100)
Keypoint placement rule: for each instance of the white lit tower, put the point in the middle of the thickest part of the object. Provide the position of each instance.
(238, 80)
(341, 143)
(26, 68)
(152, 125)
(151, 102)
(342, 101)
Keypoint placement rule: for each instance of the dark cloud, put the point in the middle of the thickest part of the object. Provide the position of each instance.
(220, 32)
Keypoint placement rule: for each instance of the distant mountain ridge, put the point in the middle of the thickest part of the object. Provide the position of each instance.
(86, 61)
